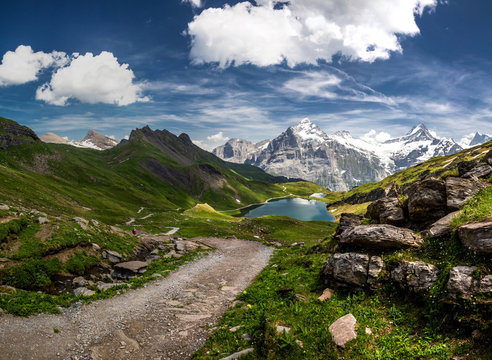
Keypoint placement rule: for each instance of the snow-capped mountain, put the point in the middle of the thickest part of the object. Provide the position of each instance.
(92, 140)
(338, 161)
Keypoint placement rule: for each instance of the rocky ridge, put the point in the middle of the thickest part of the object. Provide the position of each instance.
(92, 140)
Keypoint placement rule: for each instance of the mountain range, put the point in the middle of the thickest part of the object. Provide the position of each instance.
(92, 140)
(339, 161)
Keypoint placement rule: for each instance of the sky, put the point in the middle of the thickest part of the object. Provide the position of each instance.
(247, 69)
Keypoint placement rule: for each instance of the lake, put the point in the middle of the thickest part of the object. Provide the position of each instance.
(305, 210)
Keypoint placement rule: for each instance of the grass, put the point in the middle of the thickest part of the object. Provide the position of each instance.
(476, 209)
(400, 326)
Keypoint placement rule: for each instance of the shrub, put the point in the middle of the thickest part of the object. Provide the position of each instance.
(33, 274)
(81, 263)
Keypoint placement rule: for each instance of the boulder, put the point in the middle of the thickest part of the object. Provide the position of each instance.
(4, 207)
(129, 269)
(427, 200)
(238, 354)
(386, 211)
(461, 281)
(485, 285)
(459, 190)
(477, 237)
(466, 166)
(113, 256)
(353, 269)
(488, 158)
(82, 291)
(80, 220)
(183, 246)
(442, 226)
(381, 236)
(415, 276)
(343, 330)
(80, 281)
(347, 221)
(327, 294)
(43, 220)
(479, 171)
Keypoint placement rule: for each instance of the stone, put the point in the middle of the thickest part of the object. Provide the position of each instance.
(386, 211)
(43, 220)
(461, 281)
(4, 207)
(80, 220)
(83, 291)
(296, 244)
(300, 297)
(353, 269)
(416, 276)
(235, 328)
(485, 285)
(2, 260)
(479, 171)
(327, 294)
(459, 190)
(126, 270)
(95, 222)
(477, 237)
(281, 329)
(427, 200)
(347, 221)
(368, 331)
(343, 330)
(239, 354)
(442, 226)
(113, 256)
(5, 289)
(246, 337)
(106, 286)
(488, 158)
(80, 281)
(380, 236)
(466, 166)
(96, 247)
(183, 246)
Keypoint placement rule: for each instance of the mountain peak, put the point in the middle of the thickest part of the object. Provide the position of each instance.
(307, 130)
(419, 132)
(344, 134)
(95, 140)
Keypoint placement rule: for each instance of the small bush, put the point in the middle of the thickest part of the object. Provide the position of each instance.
(33, 274)
(81, 263)
(12, 227)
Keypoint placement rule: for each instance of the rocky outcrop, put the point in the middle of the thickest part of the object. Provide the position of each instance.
(461, 281)
(479, 171)
(477, 237)
(442, 226)
(386, 211)
(427, 200)
(13, 134)
(347, 221)
(488, 158)
(343, 330)
(127, 270)
(353, 269)
(380, 237)
(416, 276)
(458, 190)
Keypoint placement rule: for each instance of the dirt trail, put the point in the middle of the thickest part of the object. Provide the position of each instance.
(168, 319)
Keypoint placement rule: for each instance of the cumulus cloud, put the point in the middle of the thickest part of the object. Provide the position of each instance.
(303, 31)
(23, 65)
(92, 79)
(194, 3)
(373, 137)
(219, 137)
(212, 141)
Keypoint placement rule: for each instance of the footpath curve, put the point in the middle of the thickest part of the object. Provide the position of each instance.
(168, 319)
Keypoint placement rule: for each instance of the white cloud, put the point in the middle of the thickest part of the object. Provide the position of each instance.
(92, 79)
(219, 137)
(194, 3)
(23, 65)
(373, 137)
(303, 31)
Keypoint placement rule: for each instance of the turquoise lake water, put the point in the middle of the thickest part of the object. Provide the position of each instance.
(305, 210)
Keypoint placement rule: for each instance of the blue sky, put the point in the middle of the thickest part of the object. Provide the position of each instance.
(222, 69)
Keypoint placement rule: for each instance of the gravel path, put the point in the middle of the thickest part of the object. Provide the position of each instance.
(167, 319)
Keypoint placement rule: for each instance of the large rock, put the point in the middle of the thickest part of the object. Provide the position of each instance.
(477, 236)
(461, 281)
(83, 291)
(129, 269)
(113, 256)
(347, 221)
(488, 158)
(353, 269)
(479, 171)
(466, 166)
(442, 226)
(386, 211)
(380, 237)
(415, 276)
(485, 285)
(427, 200)
(459, 190)
(184, 246)
(343, 330)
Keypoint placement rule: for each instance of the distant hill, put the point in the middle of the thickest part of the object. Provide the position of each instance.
(92, 140)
